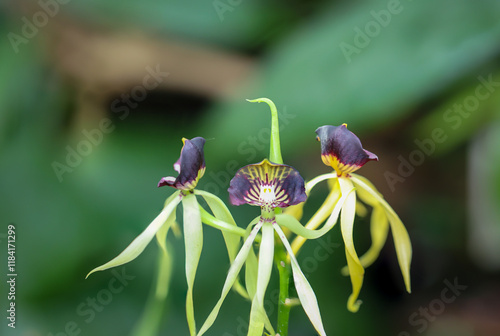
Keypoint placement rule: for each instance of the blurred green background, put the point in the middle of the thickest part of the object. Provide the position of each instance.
(417, 81)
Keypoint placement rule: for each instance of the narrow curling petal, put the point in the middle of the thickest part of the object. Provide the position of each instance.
(193, 241)
(379, 229)
(361, 210)
(304, 290)
(365, 195)
(326, 210)
(266, 254)
(296, 211)
(251, 270)
(232, 241)
(231, 277)
(161, 235)
(251, 277)
(267, 184)
(190, 166)
(141, 241)
(401, 238)
(403, 247)
(356, 270)
(341, 149)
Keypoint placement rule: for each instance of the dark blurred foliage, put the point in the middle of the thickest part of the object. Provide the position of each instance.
(408, 77)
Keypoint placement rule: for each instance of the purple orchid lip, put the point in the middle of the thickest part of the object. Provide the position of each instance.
(190, 166)
(267, 184)
(342, 150)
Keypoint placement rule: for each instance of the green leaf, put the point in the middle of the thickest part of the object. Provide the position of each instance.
(140, 242)
(193, 241)
(304, 290)
(231, 276)
(266, 255)
(454, 122)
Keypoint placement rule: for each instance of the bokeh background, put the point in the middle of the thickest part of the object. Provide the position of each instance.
(418, 81)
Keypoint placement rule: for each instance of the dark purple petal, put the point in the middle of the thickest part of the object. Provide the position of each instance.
(341, 149)
(266, 183)
(168, 180)
(190, 166)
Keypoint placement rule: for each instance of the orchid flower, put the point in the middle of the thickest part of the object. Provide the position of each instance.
(191, 167)
(342, 150)
(269, 186)
(272, 186)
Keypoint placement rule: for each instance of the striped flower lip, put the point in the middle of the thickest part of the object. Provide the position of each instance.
(190, 166)
(341, 149)
(267, 184)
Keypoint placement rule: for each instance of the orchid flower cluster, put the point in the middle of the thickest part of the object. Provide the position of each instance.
(280, 192)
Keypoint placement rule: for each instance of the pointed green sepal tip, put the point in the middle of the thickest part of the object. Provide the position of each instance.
(135, 248)
(353, 304)
(275, 150)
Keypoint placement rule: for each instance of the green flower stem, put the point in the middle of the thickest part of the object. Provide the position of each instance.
(284, 270)
(275, 150)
